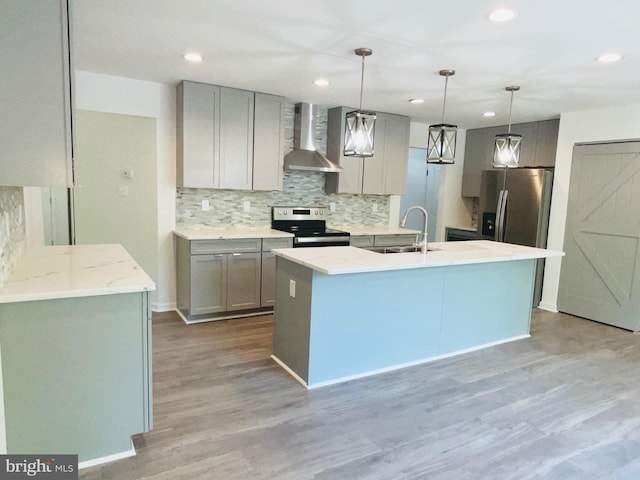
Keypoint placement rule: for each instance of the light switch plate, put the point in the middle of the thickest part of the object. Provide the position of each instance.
(332, 207)
(374, 208)
(123, 191)
(205, 205)
(292, 288)
(246, 205)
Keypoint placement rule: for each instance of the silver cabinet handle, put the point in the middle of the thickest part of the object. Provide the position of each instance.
(236, 254)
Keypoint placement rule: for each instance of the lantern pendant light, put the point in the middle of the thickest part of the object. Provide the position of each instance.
(359, 125)
(507, 147)
(441, 144)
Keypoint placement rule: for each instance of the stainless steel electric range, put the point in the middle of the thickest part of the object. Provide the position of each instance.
(308, 225)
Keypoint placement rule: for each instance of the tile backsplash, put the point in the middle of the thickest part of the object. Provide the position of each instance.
(299, 188)
(12, 229)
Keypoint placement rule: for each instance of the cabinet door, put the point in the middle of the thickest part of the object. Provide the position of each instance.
(243, 281)
(208, 283)
(268, 142)
(374, 167)
(478, 156)
(35, 108)
(396, 154)
(529, 132)
(268, 283)
(547, 143)
(197, 122)
(236, 139)
(350, 179)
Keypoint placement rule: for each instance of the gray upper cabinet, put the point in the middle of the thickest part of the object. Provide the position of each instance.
(268, 142)
(382, 174)
(228, 138)
(538, 149)
(35, 119)
(198, 139)
(236, 139)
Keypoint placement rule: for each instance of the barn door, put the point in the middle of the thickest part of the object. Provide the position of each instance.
(600, 275)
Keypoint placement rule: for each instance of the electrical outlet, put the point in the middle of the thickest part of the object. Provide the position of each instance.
(292, 288)
(332, 207)
(123, 191)
(246, 205)
(374, 208)
(205, 205)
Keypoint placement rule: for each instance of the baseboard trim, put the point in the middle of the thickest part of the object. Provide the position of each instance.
(289, 371)
(163, 307)
(109, 458)
(396, 367)
(549, 307)
(222, 317)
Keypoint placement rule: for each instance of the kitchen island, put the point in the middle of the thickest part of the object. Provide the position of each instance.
(344, 312)
(75, 350)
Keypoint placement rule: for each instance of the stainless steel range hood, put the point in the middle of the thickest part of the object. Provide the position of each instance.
(304, 155)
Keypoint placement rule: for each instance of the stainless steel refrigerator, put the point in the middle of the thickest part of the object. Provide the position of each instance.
(514, 208)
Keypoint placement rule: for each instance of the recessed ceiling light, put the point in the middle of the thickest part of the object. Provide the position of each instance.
(502, 15)
(489, 114)
(416, 100)
(192, 57)
(321, 82)
(609, 57)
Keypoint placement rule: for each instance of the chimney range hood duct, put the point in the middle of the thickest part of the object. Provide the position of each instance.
(304, 155)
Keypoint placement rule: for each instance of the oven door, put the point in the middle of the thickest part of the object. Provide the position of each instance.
(329, 241)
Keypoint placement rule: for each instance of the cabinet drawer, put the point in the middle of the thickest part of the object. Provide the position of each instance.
(394, 240)
(361, 241)
(269, 244)
(225, 246)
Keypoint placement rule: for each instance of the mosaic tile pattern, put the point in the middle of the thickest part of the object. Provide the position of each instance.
(12, 230)
(299, 188)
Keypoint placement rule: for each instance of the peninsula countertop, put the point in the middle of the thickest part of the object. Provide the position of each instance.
(343, 260)
(45, 273)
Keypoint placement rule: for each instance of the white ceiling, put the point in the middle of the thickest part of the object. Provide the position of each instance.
(281, 46)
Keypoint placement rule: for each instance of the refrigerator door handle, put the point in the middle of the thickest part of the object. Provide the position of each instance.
(498, 225)
(503, 215)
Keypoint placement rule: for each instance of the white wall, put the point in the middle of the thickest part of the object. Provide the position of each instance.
(615, 123)
(453, 209)
(106, 93)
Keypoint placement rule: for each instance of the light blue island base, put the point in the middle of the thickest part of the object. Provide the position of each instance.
(341, 327)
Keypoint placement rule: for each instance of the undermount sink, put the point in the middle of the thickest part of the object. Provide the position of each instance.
(404, 249)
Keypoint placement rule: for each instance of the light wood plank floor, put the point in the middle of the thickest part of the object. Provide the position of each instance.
(564, 404)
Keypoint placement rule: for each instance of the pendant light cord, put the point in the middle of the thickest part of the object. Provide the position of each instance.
(361, 82)
(510, 108)
(444, 101)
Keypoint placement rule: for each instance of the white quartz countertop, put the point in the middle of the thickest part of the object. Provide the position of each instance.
(212, 233)
(341, 260)
(45, 273)
(374, 230)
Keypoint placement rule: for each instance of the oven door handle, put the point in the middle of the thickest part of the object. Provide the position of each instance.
(321, 239)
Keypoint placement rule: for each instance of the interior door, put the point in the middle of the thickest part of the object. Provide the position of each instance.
(602, 234)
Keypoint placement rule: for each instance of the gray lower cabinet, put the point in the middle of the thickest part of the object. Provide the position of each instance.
(77, 374)
(224, 278)
(208, 283)
(36, 109)
(243, 280)
(268, 283)
(538, 149)
(268, 280)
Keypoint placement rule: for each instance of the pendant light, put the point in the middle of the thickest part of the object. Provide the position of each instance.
(359, 124)
(507, 147)
(441, 144)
